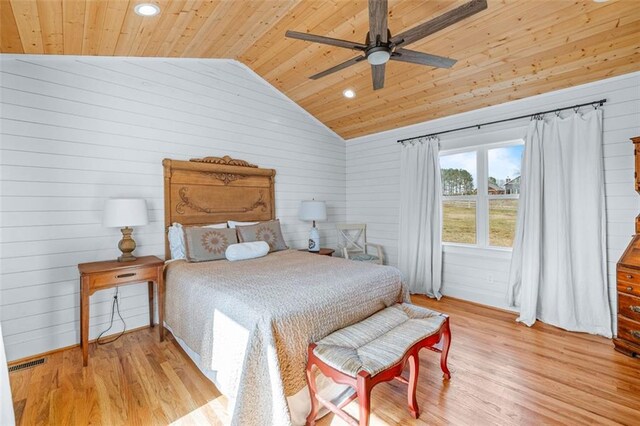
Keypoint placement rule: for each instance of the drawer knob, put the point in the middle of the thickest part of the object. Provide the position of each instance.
(130, 274)
(635, 333)
(629, 276)
(629, 288)
(635, 308)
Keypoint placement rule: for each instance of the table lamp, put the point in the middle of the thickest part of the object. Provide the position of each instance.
(125, 213)
(312, 210)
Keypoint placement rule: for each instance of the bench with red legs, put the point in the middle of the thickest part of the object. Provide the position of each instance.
(376, 350)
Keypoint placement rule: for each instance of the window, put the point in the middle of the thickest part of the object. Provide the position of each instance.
(459, 190)
(480, 189)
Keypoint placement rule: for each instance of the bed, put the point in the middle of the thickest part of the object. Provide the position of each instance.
(247, 324)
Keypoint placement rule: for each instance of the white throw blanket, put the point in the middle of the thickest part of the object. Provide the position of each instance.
(252, 321)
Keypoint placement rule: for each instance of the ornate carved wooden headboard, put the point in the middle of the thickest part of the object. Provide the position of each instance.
(209, 190)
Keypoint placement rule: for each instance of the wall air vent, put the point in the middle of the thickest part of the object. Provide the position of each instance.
(27, 364)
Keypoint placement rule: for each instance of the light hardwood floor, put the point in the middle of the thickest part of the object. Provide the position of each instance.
(503, 373)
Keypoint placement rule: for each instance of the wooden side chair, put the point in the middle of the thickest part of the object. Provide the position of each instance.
(353, 245)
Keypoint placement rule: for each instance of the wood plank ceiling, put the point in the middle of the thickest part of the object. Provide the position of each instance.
(514, 49)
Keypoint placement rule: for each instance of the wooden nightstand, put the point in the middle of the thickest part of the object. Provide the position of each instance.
(322, 252)
(96, 276)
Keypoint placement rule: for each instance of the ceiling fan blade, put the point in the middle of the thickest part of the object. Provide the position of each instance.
(326, 40)
(378, 11)
(406, 55)
(377, 72)
(439, 23)
(338, 67)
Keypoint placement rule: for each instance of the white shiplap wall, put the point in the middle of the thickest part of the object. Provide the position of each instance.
(78, 130)
(373, 173)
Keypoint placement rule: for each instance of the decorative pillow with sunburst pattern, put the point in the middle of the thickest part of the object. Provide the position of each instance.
(269, 232)
(204, 244)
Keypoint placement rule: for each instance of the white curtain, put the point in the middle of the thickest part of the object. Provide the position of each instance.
(420, 245)
(558, 269)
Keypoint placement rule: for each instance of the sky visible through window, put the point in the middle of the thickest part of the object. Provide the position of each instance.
(505, 163)
(465, 161)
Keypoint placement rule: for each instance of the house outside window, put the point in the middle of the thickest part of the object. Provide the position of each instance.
(512, 186)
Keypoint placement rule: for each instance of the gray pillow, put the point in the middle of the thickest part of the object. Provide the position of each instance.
(269, 232)
(204, 244)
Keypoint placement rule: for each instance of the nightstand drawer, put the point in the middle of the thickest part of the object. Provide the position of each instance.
(629, 306)
(122, 276)
(628, 330)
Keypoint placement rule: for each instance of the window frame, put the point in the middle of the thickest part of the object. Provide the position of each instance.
(482, 196)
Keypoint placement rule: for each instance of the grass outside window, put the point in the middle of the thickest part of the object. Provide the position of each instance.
(502, 221)
(459, 221)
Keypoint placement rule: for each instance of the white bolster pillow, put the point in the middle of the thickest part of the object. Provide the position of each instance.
(244, 251)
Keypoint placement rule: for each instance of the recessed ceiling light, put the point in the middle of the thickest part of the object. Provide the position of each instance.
(146, 9)
(349, 93)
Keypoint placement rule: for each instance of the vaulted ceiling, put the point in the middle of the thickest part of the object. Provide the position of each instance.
(514, 49)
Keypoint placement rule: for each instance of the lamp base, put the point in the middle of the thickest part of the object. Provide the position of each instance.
(126, 245)
(314, 240)
(126, 258)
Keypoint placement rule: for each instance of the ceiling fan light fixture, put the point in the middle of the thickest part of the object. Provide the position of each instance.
(381, 46)
(349, 93)
(146, 9)
(378, 56)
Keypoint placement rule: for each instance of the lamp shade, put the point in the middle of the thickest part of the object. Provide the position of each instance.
(122, 212)
(312, 210)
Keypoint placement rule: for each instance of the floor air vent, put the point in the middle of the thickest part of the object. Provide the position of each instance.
(28, 364)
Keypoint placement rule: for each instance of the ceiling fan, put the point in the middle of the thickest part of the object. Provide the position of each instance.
(380, 47)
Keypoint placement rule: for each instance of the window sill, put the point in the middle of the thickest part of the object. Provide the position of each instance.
(469, 250)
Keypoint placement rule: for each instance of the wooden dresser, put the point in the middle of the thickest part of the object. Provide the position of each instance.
(628, 283)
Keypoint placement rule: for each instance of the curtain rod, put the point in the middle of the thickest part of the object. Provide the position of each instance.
(595, 104)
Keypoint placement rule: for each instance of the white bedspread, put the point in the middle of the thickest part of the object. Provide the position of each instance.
(252, 321)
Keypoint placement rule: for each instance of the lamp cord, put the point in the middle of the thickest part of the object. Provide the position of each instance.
(115, 306)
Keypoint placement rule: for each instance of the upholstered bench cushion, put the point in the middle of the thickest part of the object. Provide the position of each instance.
(378, 342)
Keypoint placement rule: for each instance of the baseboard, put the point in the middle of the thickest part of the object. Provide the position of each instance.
(482, 305)
(496, 300)
(470, 302)
(64, 348)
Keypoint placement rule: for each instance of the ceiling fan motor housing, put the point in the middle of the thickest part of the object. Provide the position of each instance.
(378, 55)
(382, 47)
